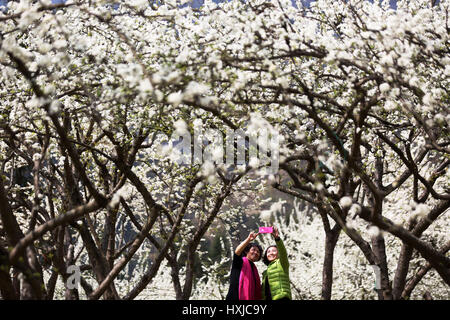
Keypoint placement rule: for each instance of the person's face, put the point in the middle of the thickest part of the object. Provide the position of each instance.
(272, 254)
(253, 254)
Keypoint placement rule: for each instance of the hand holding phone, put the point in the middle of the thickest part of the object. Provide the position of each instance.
(265, 229)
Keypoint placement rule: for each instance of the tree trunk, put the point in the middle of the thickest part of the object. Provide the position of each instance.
(385, 293)
(7, 289)
(175, 274)
(32, 287)
(97, 260)
(402, 271)
(412, 283)
(189, 281)
(327, 274)
(108, 243)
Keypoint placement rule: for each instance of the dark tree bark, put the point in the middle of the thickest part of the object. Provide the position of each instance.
(33, 287)
(414, 281)
(7, 289)
(378, 244)
(331, 238)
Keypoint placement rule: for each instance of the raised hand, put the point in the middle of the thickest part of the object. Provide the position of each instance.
(240, 248)
(252, 236)
(275, 233)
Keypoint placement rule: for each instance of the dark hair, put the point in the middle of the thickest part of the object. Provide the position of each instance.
(251, 245)
(265, 260)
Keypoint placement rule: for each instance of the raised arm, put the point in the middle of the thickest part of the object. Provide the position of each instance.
(282, 253)
(240, 248)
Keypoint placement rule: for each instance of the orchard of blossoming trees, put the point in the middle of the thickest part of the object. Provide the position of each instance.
(357, 93)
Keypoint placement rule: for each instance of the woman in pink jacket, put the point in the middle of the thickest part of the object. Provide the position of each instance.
(245, 283)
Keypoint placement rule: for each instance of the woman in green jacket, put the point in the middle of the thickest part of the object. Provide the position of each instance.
(276, 284)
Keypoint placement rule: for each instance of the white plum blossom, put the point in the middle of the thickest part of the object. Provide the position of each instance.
(194, 88)
(421, 210)
(55, 107)
(175, 98)
(373, 231)
(181, 127)
(346, 202)
(208, 169)
(385, 87)
(145, 85)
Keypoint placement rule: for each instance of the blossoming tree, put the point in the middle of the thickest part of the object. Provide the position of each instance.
(91, 91)
(81, 114)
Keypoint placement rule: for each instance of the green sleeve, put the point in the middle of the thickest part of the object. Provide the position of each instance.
(282, 254)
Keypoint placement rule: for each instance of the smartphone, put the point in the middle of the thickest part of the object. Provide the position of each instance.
(265, 229)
